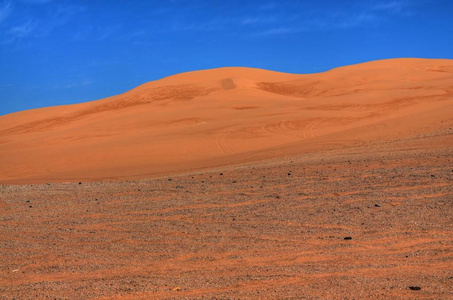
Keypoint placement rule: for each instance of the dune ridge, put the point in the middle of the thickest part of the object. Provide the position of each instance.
(226, 116)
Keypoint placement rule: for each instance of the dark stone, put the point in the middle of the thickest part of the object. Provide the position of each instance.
(80, 183)
(415, 288)
(169, 179)
(289, 174)
(377, 205)
(221, 174)
(179, 187)
(348, 238)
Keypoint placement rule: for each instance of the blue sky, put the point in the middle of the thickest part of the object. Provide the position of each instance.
(55, 52)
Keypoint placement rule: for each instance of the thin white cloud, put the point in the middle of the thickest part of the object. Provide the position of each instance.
(361, 15)
(36, 1)
(62, 15)
(393, 7)
(59, 16)
(280, 31)
(5, 10)
(22, 31)
(108, 31)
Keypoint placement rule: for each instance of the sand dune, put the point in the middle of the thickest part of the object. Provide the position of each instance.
(225, 116)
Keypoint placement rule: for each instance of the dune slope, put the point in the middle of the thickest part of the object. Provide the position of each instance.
(225, 116)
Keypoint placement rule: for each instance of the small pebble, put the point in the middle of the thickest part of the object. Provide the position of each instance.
(348, 238)
(415, 288)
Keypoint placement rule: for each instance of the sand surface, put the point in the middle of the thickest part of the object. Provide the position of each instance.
(260, 231)
(242, 184)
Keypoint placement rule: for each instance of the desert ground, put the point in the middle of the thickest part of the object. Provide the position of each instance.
(236, 183)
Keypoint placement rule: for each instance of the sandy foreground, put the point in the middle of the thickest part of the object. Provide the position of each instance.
(335, 185)
(269, 230)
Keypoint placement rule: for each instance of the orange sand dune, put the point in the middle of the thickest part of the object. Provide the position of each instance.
(224, 116)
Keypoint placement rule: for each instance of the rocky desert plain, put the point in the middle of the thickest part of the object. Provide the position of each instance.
(236, 183)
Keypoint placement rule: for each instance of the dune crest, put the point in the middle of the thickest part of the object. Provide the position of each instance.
(225, 116)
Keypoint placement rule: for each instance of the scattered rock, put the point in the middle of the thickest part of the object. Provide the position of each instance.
(169, 179)
(179, 187)
(377, 205)
(348, 238)
(221, 174)
(415, 288)
(80, 183)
